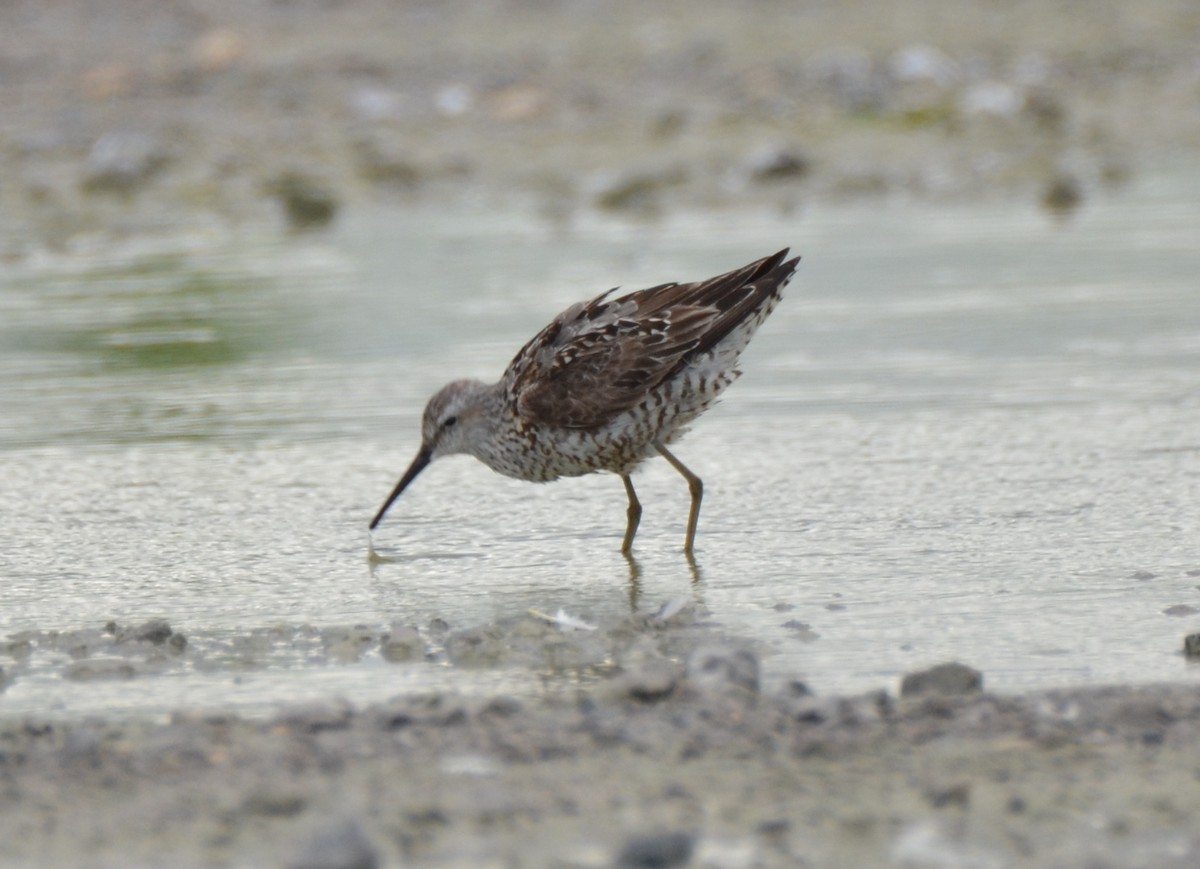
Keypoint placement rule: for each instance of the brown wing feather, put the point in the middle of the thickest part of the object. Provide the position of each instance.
(598, 359)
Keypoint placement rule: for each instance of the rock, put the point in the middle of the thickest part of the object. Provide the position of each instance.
(84, 642)
(1180, 609)
(656, 851)
(1045, 109)
(635, 191)
(122, 161)
(431, 710)
(308, 203)
(1062, 195)
(402, 643)
(1191, 646)
(345, 645)
(801, 631)
(648, 682)
(1141, 714)
(19, 647)
(943, 796)
(779, 163)
(318, 716)
(155, 631)
(719, 668)
(274, 803)
(945, 679)
(382, 162)
(478, 646)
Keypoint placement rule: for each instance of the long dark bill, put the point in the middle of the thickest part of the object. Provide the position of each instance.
(418, 465)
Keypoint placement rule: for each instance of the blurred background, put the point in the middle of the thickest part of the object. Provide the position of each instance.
(146, 115)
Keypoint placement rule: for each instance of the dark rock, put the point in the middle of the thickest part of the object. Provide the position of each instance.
(648, 682)
(308, 203)
(1180, 609)
(341, 845)
(656, 851)
(1141, 714)
(802, 631)
(946, 679)
(721, 668)
(479, 646)
(317, 717)
(437, 710)
(20, 648)
(1191, 645)
(82, 643)
(779, 163)
(154, 631)
(1062, 194)
(1045, 109)
(274, 804)
(958, 794)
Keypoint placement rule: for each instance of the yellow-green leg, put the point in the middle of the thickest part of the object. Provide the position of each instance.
(634, 514)
(695, 486)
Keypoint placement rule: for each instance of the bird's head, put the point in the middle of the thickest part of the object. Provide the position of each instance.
(453, 420)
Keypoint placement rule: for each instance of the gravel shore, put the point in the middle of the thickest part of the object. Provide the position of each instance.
(181, 117)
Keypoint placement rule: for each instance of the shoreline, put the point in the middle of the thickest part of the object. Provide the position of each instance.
(616, 774)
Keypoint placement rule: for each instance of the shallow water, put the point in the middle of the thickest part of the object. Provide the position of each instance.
(970, 432)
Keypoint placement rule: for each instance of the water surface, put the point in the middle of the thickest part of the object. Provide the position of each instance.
(971, 432)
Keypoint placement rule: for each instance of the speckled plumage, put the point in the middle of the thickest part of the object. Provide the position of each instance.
(607, 384)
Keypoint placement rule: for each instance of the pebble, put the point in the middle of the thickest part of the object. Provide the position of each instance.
(155, 631)
(317, 716)
(779, 163)
(649, 682)
(719, 668)
(402, 643)
(1180, 609)
(308, 203)
(122, 161)
(656, 851)
(1061, 195)
(636, 191)
(341, 845)
(945, 679)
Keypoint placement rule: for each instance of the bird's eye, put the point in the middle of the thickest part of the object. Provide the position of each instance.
(450, 421)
